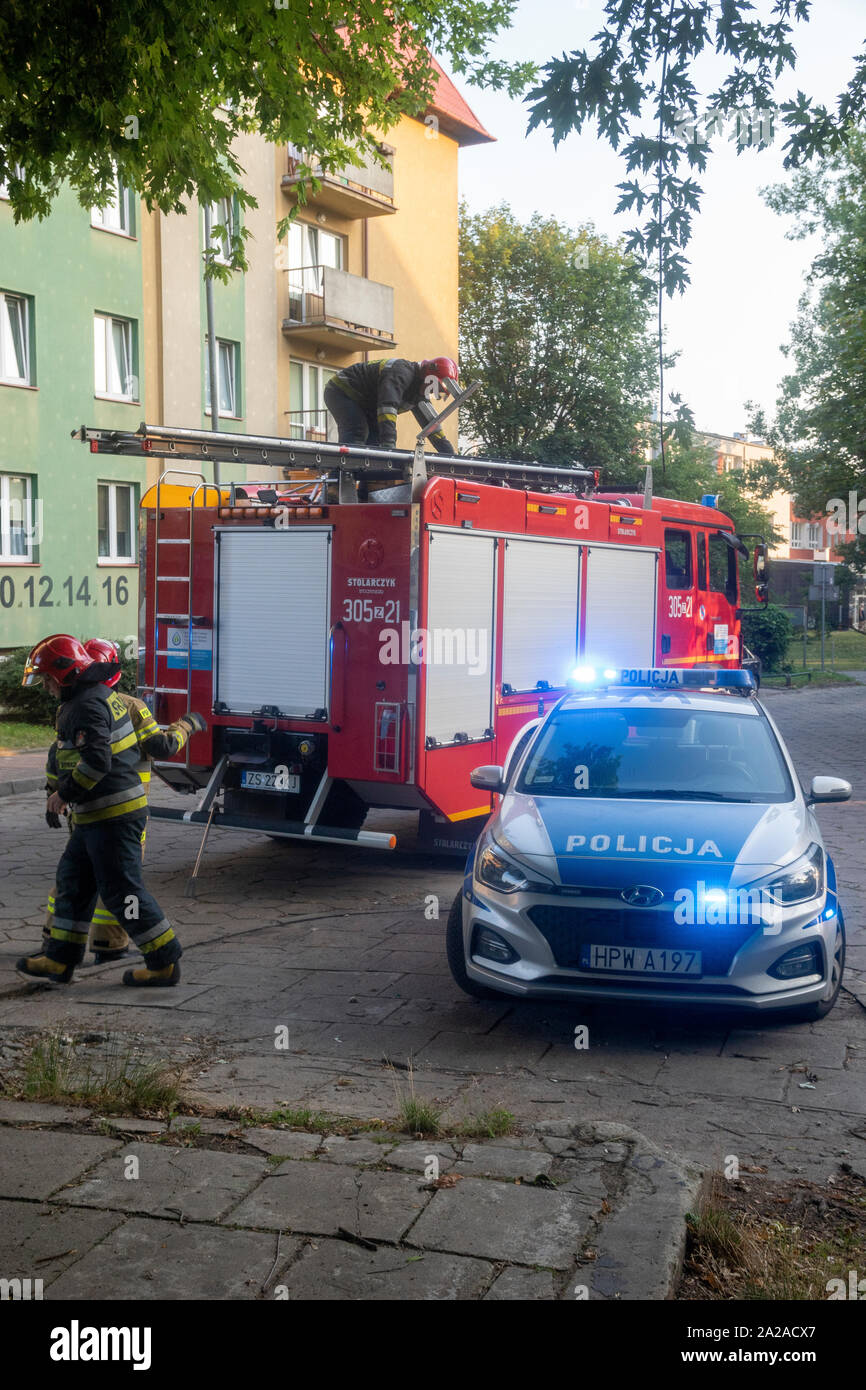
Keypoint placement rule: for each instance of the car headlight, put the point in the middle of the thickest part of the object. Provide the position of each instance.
(495, 868)
(800, 883)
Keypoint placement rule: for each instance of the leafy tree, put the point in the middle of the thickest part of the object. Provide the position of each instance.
(159, 89)
(819, 433)
(637, 87)
(554, 323)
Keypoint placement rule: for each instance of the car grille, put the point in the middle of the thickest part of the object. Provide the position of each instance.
(567, 929)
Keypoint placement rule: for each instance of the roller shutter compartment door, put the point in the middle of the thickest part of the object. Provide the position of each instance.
(539, 625)
(459, 658)
(273, 603)
(620, 607)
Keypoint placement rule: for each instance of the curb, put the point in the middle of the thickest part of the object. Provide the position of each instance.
(21, 784)
(641, 1245)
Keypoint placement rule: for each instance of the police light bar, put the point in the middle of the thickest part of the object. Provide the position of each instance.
(662, 678)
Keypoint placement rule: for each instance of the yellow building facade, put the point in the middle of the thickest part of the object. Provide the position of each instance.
(369, 269)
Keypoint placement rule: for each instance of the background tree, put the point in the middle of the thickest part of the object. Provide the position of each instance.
(159, 89)
(819, 433)
(637, 87)
(554, 323)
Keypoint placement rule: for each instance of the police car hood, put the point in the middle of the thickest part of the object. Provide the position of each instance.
(606, 842)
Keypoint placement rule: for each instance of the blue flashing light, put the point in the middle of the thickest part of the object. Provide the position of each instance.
(664, 678)
(831, 912)
(710, 499)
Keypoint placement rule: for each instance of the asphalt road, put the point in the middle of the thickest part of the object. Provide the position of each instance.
(344, 949)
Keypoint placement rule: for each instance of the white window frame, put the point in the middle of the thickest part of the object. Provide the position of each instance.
(113, 558)
(6, 555)
(306, 264)
(222, 214)
(227, 349)
(798, 535)
(311, 401)
(103, 346)
(5, 339)
(117, 216)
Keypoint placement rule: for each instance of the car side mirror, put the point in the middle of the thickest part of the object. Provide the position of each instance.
(488, 778)
(828, 789)
(762, 581)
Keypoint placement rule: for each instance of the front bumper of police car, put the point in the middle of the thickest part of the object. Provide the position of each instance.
(523, 935)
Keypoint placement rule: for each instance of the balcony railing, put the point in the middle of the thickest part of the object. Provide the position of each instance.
(332, 307)
(319, 426)
(357, 190)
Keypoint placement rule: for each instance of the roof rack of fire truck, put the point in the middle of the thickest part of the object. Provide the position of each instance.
(343, 463)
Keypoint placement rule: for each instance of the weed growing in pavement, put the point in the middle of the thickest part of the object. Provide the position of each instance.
(415, 1116)
(490, 1124)
(117, 1082)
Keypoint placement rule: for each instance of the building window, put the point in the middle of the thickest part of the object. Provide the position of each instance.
(223, 213)
(114, 358)
(816, 536)
(16, 527)
(16, 172)
(227, 355)
(115, 512)
(807, 535)
(117, 216)
(311, 252)
(309, 418)
(15, 340)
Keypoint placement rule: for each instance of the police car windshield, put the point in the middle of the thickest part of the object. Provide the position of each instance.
(657, 752)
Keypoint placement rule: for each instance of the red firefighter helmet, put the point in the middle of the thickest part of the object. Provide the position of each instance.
(62, 657)
(444, 368)
(101, 649)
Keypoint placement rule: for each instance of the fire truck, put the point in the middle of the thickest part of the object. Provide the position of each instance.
(371, 628)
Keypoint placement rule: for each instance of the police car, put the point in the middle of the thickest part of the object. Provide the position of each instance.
(653, 843)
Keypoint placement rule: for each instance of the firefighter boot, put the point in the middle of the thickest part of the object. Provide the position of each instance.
(169, 975)
(51, 972)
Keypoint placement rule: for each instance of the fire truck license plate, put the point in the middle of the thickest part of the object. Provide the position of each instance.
(640, 960)
(271, 781)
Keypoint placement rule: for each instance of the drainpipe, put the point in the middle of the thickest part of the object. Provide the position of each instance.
(213, 367)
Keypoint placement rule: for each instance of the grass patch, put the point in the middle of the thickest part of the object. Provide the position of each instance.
(845, 650)
(490, 1124)
(116, 1082)
(18, 736)
(801, 681)
(414, 1115)
(775, 1241)
(313, 1122)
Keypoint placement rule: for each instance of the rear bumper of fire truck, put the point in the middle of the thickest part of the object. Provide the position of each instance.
(747, 985)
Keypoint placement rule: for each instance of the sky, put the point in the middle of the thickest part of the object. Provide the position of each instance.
(746, 277)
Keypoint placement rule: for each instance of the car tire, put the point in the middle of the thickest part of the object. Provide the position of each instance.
(809, 1013)
(457, 957)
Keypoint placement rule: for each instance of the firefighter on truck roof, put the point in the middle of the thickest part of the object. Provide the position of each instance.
(366, 398)
(96, 763)
(108, 939)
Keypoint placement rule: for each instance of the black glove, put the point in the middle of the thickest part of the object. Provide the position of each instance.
(196, 723)
(52, 820)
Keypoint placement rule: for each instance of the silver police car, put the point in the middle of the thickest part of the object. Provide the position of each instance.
(653, 843)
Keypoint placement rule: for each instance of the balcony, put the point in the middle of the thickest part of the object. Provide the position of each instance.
(358, 190)
(334, 309)
(318, 426)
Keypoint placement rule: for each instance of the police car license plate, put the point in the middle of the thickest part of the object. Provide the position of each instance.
(271, 781)
(640, 960)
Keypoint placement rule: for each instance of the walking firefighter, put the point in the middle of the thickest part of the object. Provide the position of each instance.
(109, 940)
(95, 761)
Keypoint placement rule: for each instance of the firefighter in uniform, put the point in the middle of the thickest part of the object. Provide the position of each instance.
(366, 398)
(108, 939)
(96, 764)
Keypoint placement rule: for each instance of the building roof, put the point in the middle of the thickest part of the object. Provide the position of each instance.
(456, 118)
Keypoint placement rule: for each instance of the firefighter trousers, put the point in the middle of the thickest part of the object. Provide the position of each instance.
(355, 425)
(104, 859)
(106, 933)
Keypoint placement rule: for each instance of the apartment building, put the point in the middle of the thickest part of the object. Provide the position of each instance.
(103, 321)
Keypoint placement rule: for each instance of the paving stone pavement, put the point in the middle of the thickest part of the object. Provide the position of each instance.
(335, 945)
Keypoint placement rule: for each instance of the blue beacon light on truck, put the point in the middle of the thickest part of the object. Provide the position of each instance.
(662, 678)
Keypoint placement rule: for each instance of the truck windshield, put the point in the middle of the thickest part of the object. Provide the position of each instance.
(657, 752)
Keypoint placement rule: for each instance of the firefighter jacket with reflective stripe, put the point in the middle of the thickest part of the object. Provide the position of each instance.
(96, 755)
(153, 742)
(386, 388)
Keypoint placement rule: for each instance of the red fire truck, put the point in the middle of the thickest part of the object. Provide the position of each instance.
(366, 634)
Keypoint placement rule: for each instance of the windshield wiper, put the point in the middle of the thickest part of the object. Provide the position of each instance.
(675, 794)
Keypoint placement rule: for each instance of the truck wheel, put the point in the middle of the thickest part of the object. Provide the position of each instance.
(457, 957)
